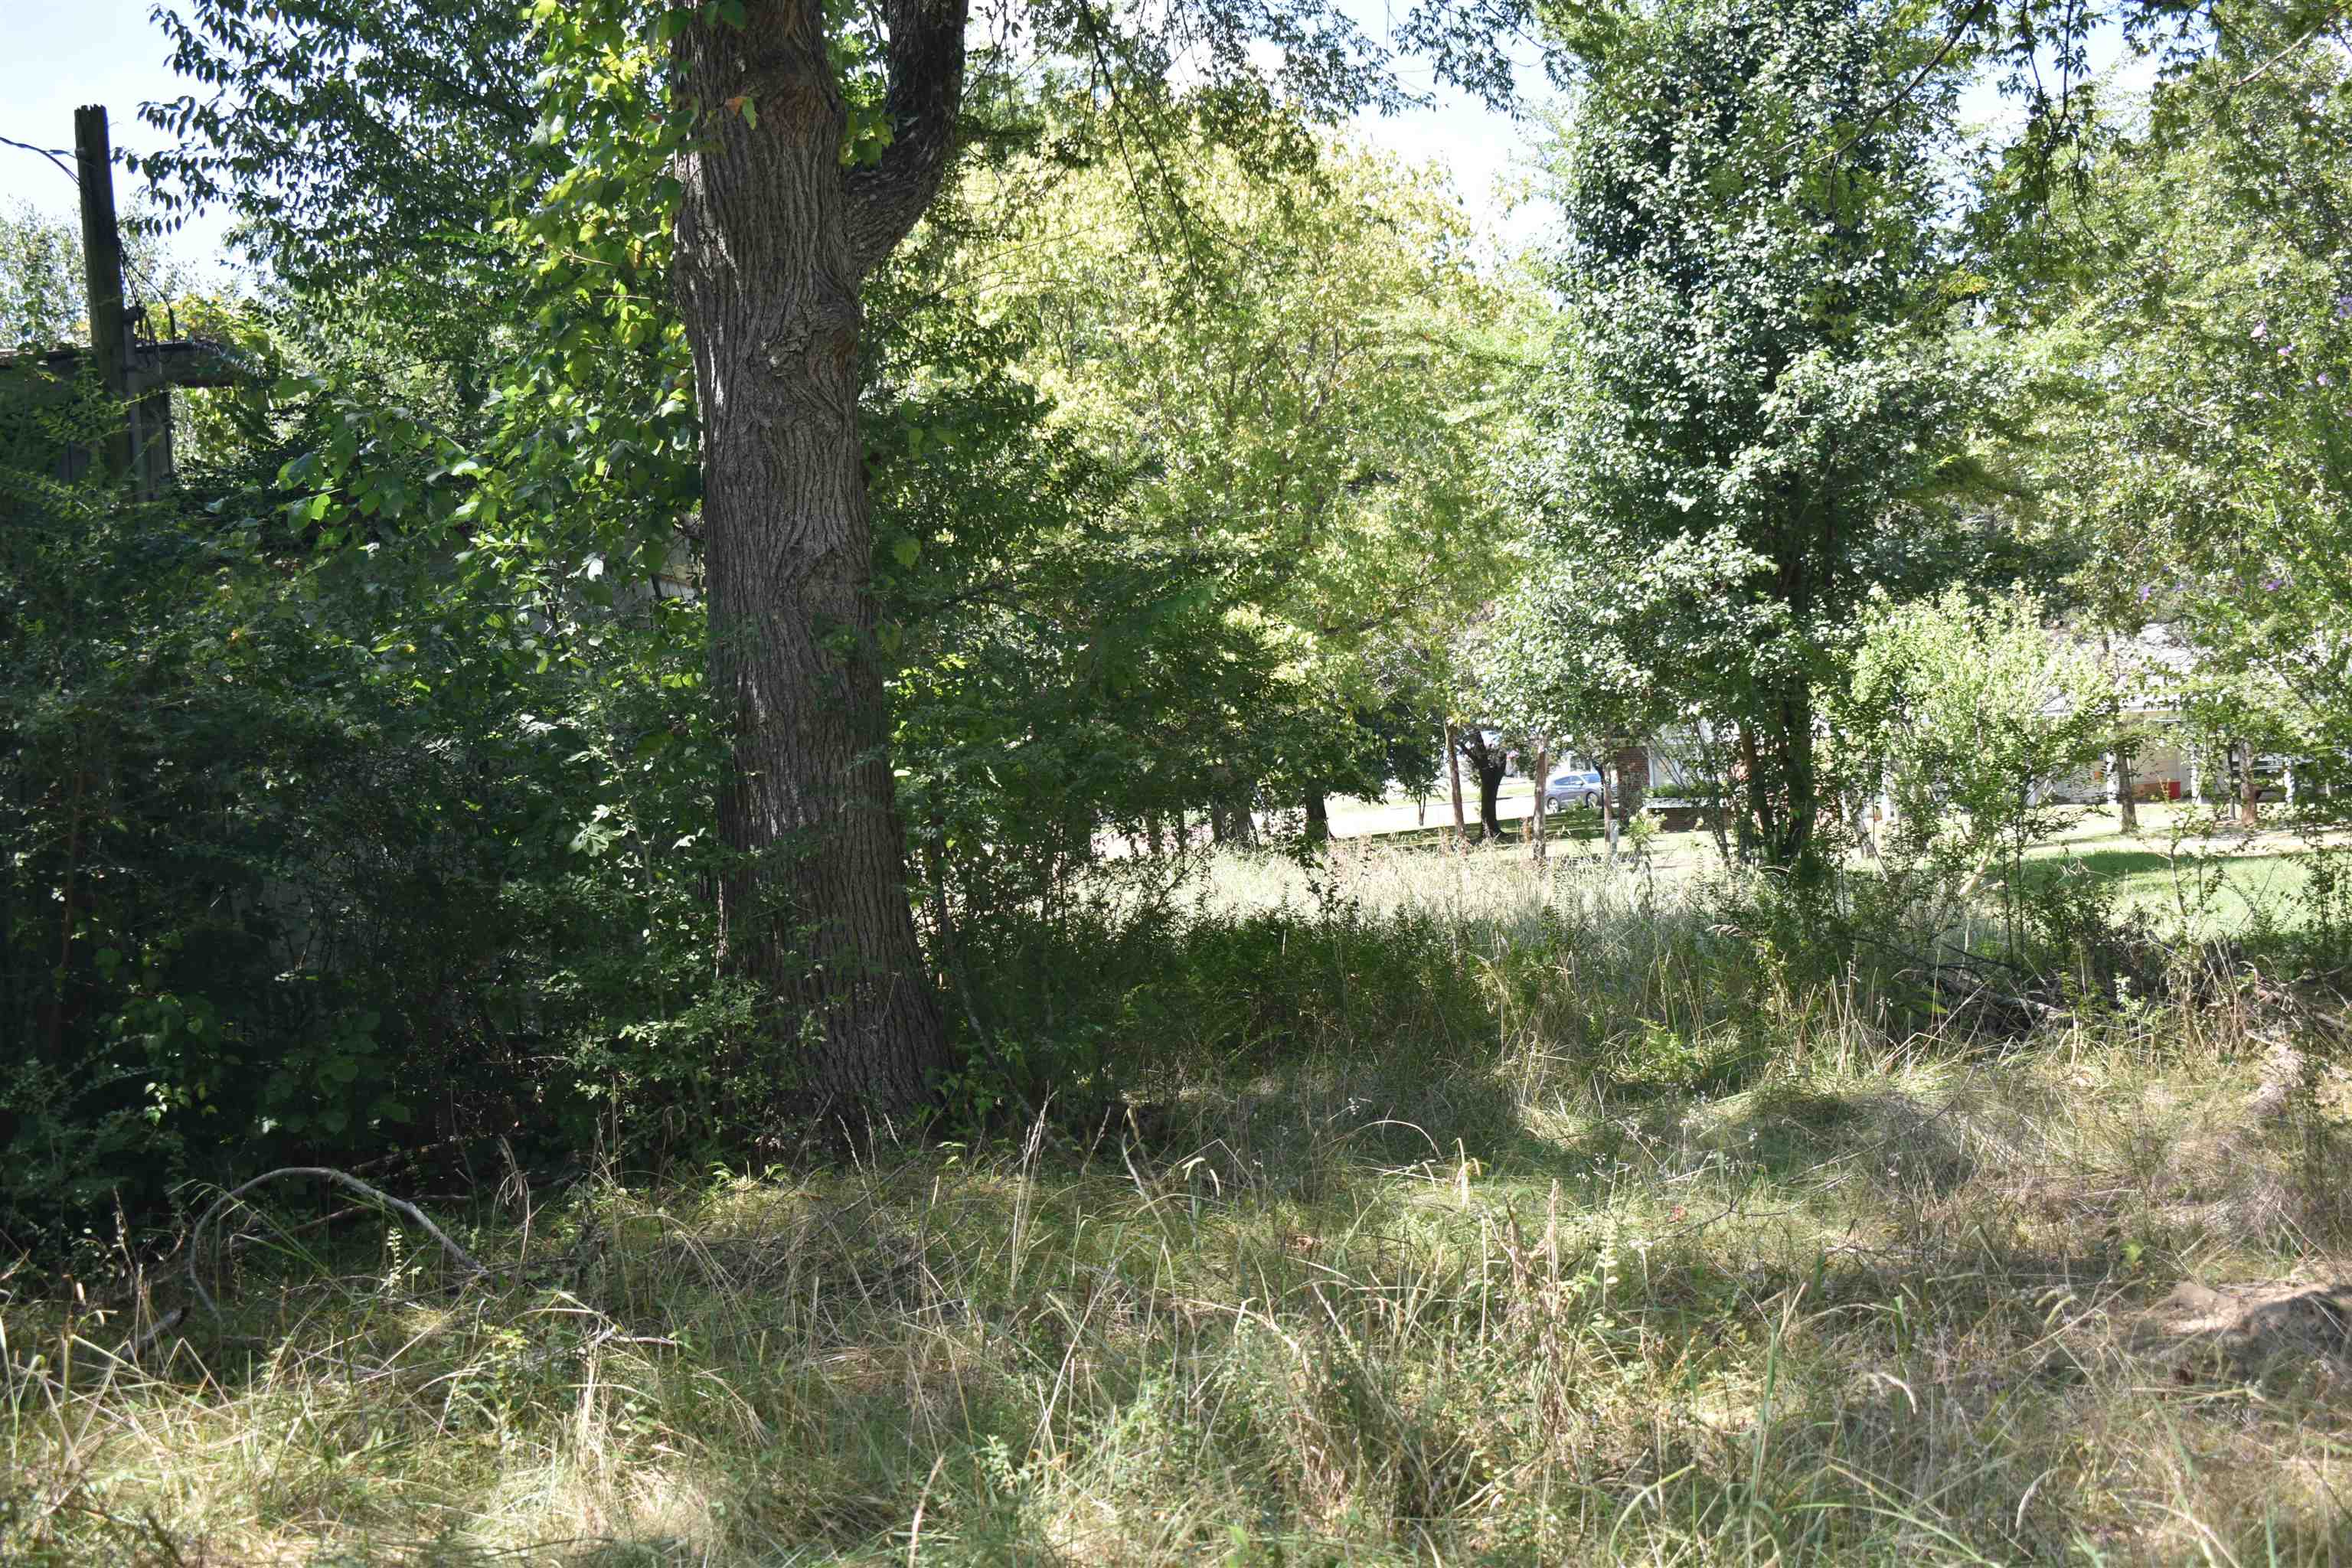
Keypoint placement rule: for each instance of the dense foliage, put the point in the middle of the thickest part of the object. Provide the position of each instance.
(369, 793)
(2199, 340)
(1756, 385)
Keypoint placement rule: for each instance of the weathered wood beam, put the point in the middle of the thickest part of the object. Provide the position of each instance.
(101, 256)
(183, 363)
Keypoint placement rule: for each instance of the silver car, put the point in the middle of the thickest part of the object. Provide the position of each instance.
(1574, 787)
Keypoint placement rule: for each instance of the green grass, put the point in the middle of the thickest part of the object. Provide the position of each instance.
(2190, 872)
(2184, 868)
(1538, 1234)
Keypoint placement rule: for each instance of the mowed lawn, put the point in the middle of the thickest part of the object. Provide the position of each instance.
(2188, 866)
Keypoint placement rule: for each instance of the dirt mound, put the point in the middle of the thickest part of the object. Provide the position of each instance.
(2256, 1326)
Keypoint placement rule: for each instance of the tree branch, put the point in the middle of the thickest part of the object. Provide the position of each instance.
(926, 52)
(196, 1236)
(2332, 14)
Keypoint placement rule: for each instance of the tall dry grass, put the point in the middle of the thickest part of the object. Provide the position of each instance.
(1537, 1223)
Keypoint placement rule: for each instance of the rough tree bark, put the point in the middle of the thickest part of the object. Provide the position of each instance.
(1784, 791)
(1454, 773)
(773, 238)
(1231, 820)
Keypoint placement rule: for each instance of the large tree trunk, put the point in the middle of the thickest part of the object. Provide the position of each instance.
(1230, 820)
(1784, 802)
(1318, 817)
(1794, 848)
(773, 238)
(1632, 779)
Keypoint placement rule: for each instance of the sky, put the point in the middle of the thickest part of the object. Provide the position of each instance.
(65, 53)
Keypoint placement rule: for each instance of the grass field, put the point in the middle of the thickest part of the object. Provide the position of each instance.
(2184, 866)
(1556, 1256)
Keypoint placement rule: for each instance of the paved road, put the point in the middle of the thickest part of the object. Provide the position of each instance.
(1359, 819)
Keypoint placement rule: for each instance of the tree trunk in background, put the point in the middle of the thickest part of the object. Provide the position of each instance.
(1785, 792)
(2119, 769)
(1491, 764)
(1453, 773)
(1543, 784)
(1319, 817)
(1613, 804)
(1746, 827)
(1632, 779)
(773, 238)
(2250, 811)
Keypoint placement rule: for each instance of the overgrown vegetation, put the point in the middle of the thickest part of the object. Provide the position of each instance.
(1636, 1237)
(703, 888)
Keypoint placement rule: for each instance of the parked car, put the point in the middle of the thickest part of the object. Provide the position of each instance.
(1575, 787)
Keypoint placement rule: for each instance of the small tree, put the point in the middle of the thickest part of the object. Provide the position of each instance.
(1966, 714)
(1562, 661)
(1756, 369)
(1603, 645)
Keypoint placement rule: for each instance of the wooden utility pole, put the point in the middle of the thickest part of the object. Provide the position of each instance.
(138, 372)
(102, 263)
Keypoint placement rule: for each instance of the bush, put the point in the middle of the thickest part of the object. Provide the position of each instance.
(314, 856)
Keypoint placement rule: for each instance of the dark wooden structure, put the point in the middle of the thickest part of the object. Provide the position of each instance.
(138, 369)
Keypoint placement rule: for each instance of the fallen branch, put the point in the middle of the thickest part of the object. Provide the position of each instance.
(324, 1173)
